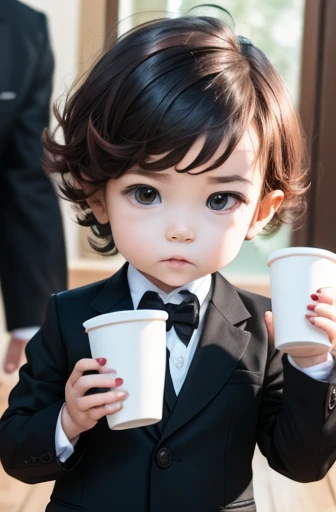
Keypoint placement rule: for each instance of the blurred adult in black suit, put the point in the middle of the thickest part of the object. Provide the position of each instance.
(32, 253)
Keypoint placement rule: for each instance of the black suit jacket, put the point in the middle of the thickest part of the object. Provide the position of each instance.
(198, 458)
(32, 254)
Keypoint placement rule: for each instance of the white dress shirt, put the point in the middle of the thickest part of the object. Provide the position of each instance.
(180, 356)
(25, 333)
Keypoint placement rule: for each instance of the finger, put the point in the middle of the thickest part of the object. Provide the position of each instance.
(100, 399)
(15, 355)
(86, 382)
(99, 412)
(325, 310)
(269, 326)
(326, 325)
(325, 295)
(106, 369)
(84, 365)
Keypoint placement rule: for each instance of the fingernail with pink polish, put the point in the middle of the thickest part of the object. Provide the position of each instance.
(311, 307)
(101, 360)
(314, 296)
(119, 382)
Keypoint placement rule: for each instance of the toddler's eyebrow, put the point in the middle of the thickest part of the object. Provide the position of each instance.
(148, 174)
(228, 179)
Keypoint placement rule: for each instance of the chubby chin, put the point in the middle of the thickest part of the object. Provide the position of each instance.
(169, 283)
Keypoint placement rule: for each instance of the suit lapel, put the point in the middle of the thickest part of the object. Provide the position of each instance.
(168, 404)
(115, 295)
(221, 346)
(170, 395)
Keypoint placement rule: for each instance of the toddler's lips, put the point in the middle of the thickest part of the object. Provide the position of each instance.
(177, 262)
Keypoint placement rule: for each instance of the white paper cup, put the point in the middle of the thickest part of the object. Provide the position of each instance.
(134, 344)
(295, 274)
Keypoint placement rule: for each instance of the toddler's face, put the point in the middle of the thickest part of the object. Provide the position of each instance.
(175, 228)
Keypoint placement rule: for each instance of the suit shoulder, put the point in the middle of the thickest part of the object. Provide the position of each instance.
(82, 293)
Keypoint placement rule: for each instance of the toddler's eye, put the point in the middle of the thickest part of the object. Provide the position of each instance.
(221, 201)
(146, 195)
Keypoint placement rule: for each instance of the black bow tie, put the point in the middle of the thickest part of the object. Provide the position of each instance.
(184, 317)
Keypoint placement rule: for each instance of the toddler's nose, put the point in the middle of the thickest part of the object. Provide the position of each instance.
(180, 232)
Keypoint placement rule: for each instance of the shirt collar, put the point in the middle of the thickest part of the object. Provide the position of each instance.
(139, 284)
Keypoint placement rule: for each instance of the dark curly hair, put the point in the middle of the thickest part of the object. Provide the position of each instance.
(155, 91)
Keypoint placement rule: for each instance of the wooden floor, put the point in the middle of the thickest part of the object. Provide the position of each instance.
(274, 493)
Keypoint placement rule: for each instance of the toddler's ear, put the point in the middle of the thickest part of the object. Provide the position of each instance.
(97, 203)
(264, 212)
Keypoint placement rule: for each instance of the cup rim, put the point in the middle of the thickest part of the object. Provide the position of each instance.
(301, 251)
(117, 317)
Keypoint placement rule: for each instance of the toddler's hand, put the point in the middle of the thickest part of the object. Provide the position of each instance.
(322, 312)
(81, 412)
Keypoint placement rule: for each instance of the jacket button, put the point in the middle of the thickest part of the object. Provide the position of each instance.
(164, 458)
(332, 398)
